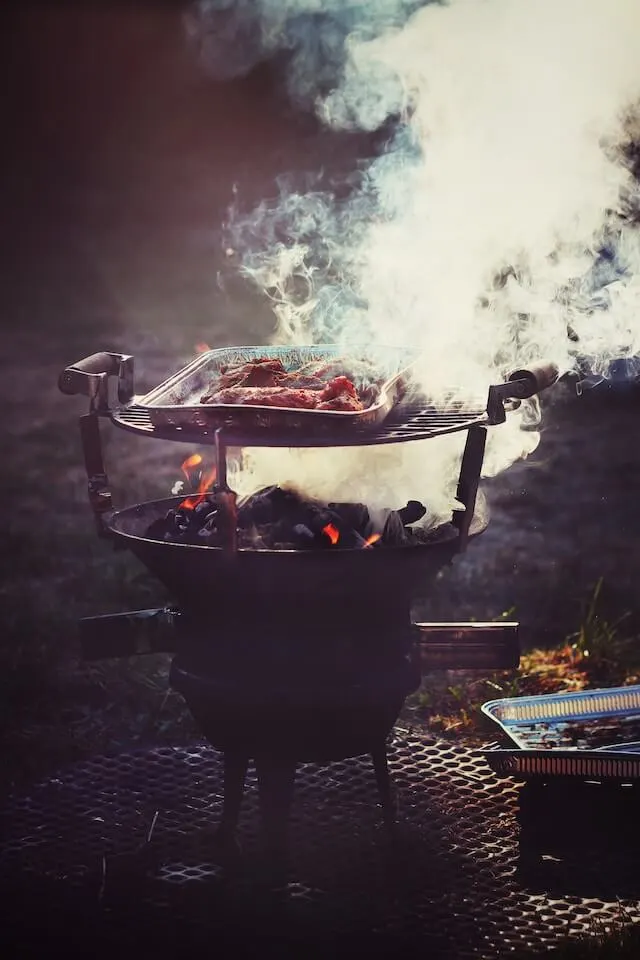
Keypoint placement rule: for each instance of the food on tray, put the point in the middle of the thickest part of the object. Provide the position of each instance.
(586, 734)
(266, 397)
(318, 385)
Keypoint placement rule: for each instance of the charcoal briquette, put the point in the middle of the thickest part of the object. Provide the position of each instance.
(413, 512)
(354, 515)
(206, 533)
(394, 533)
(280, 516)
(302, 535)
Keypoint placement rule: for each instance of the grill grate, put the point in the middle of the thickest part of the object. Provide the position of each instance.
(480, 867)
(409, 422)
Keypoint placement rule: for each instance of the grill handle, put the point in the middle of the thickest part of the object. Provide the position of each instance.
(534, 379)
(467, 646)
(521, 385)
(90, 377)
(437, 646)
(128, 634)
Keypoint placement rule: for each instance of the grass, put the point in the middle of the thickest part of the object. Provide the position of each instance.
(599, 641)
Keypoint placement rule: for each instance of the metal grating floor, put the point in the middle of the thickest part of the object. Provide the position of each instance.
(416, 422)
(480, 867)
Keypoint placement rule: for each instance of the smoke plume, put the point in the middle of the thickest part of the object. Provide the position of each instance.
(499, 225)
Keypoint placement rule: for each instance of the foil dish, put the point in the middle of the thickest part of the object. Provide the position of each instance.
(592, 734)
(175, 402)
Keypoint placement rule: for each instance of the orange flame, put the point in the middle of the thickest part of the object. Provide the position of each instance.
(202, 348)
(206, 480)
(332, 532)
(369, 542)
(191, 461)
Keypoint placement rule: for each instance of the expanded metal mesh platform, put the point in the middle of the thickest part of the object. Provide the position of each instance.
(479, 867)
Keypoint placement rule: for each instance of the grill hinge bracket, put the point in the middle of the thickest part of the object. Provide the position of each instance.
(469, 480)
(90, 378)
(97, 480)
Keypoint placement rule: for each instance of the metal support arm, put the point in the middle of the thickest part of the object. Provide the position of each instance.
(90, 378)
(470, 470)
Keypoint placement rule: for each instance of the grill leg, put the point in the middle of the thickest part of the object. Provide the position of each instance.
(276, 777)
(235, 771)
(383, 781)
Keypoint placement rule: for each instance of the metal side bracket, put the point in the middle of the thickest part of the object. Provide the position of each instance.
(467, 646)
(469, 480)
(129, 634)
(90, 378)
(97, 480)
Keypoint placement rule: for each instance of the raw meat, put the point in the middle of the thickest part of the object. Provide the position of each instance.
(265, 382)
(267, 397)
(338, 394)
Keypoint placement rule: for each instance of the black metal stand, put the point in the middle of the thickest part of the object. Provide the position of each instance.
(383, 781)
(276, 782)
(469, 480)
(276, 785)
(235, 772)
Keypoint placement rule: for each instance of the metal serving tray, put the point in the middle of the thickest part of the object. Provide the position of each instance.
(174, 403)
(592, 734)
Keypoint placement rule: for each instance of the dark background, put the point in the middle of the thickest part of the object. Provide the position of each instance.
(119, 159)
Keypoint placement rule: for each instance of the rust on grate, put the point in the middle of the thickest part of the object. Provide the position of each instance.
(119, 849)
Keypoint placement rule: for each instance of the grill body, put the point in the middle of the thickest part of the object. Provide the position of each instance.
(192, 574)
(287, 656)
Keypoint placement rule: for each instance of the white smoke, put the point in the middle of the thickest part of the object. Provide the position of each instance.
(497, 220)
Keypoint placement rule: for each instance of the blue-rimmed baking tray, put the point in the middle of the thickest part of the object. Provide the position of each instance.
(593, 734)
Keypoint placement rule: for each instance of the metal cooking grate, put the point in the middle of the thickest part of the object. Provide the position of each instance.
(415, 422)
(480, 867)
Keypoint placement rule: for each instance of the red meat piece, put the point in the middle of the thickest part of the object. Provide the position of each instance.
(338, 387)
(342, 402)
(267, 397)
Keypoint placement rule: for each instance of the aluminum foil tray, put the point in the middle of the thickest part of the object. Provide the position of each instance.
(175, 403)
(592, 734)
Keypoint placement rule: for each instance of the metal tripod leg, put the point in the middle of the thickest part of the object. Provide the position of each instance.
(235, 771)
(383, 781)
(276, 777)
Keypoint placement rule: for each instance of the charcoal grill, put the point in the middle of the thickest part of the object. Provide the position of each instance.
(300, 655)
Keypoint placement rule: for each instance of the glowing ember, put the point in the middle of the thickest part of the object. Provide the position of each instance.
(369, 542)
(202, 348)
(332, 532)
